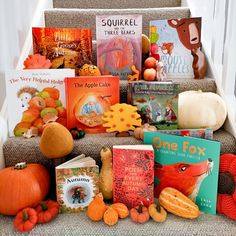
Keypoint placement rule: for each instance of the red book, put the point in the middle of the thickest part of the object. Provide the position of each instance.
(88, 98)
(133, 174)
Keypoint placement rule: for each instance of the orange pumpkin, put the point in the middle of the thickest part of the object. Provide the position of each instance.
(139, 214)
(22, 186)
(110, 216)
(96, 208)
(121, 209)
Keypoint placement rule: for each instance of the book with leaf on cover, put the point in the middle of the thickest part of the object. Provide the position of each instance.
(133, 174)
(119, 44)
(76, 183)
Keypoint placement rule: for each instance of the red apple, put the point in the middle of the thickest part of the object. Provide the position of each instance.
(150, 62)
(149, 74)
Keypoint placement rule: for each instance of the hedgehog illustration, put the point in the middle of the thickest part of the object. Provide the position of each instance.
(25, 94)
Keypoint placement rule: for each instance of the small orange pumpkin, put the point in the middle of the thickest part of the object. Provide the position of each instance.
(96, 208)
(157, 212)
(110, 216)
(139, 214)
(22, 186)
(121, 209)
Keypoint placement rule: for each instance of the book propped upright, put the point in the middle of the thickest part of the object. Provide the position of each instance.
(133, 174)
(188, 164)
(76, 183)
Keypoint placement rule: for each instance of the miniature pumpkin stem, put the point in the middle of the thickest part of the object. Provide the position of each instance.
(25, 215)
(158, 207)
(20, 166)
(140, 208)
(44, 205)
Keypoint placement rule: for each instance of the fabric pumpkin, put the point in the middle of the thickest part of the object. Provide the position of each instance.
(226, 201)
(25, 220)
(47, 211)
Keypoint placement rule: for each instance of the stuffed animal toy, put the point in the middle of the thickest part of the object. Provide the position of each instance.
(226, 201)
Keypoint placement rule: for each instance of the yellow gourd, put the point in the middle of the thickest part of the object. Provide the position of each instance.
(157, 212)
(96, 208)
(121, 209)
(106, 173)
(110, 216)
(178, 204)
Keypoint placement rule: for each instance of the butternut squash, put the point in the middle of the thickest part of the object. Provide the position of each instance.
(178, 204)
(106, 173)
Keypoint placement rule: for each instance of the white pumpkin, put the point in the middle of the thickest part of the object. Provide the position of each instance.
(199, 109)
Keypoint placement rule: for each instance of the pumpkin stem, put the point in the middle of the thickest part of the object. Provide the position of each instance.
(25, 215)
(140, 208)
(158, 207)
(44, 205)
(20, 166)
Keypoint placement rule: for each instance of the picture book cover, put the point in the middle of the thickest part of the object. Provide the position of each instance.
(33, 96)
(157, 102)
(119, 44)
(133, 174)
(77, 182)
(206, 133)
(64, 47)
(88, 98)
(191, 165)
(177, 43)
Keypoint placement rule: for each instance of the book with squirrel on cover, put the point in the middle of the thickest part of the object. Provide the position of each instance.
(33, 96)
(157, 102)
(119, 44)
(133, 174)
(88, 98)
(64, 47)
(189, 164)
(77, 182)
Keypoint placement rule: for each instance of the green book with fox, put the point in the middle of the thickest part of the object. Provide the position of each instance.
(191, 165)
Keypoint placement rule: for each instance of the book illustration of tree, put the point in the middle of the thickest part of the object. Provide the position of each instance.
(121, 118)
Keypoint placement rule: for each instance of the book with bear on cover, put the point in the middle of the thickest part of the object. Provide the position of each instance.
(64, 47)
(191, 165)
(119, 44)
(88, 98)
(34, 97)
(133, 174)
(157, 102)
(177, 43)
(77, 182)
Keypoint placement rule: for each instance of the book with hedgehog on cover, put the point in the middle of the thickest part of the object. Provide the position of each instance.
(119, 44)
(76, 183)
(188, 164)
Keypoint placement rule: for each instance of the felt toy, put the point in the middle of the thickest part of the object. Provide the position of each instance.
(37, 61)
(89, 70)
(226, 201)
(121, 117)
(135, 76)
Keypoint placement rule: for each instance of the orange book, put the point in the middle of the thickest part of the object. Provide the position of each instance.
(88, 98)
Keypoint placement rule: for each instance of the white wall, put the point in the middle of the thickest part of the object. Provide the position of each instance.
(16, 17)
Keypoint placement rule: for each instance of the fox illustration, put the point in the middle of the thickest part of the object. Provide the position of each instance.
(185, 177)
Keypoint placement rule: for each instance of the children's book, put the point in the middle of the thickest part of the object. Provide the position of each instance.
(77, 182)
(133, 174)
(64, 47)
(191, 165)
(32, 95)
(157, 102)
(175, 42)
(88, 98)
(119, 44)
(206, 133)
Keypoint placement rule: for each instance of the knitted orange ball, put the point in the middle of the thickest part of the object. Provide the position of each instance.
(89, 70)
